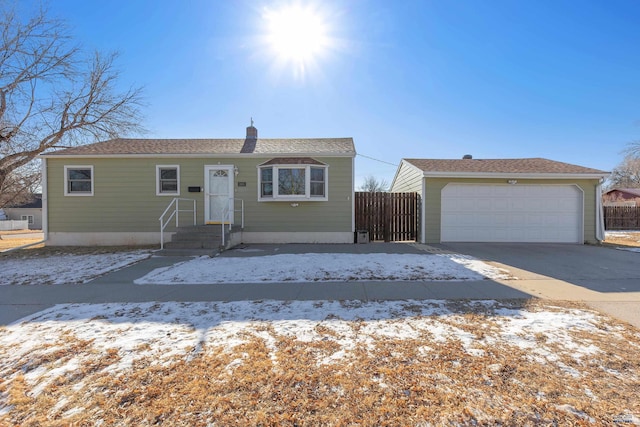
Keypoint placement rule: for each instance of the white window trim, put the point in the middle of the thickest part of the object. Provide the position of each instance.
(28, 218)
(307, 184)
(158, 192)
(66, 181)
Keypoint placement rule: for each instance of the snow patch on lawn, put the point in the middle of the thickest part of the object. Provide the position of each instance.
(65, 269)
(628, 249)
(160, 332)
(332, 267)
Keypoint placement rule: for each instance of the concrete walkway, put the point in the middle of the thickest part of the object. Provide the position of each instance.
(19, 301)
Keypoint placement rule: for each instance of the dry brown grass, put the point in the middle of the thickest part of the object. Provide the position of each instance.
(6, 242)
(393, 382)
(630, 238)
(45, 251)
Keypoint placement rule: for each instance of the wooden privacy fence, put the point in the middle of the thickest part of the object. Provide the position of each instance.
(622, 217)
(389, 217)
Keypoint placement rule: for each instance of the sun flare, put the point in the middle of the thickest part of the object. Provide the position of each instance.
(297, 35)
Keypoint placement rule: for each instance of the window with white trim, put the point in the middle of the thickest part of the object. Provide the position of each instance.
(318, 184)
(28, 218)
(167, 180)
(288, 182)
(78, 180)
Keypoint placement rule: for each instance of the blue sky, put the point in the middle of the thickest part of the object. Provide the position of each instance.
(434, 79)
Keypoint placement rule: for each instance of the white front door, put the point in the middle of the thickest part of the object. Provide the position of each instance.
(218, 202)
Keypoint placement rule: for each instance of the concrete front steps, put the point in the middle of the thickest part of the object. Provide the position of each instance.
(199, 240)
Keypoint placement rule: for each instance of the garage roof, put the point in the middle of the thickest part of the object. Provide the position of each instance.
(528, 166)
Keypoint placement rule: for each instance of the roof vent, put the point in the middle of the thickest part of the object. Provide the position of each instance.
(467, 157)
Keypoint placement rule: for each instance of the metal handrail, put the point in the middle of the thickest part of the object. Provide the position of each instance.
(227, 212)
(175, 212)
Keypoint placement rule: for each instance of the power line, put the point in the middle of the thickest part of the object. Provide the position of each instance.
(377, 160)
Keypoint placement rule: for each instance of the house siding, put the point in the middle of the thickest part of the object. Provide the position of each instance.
(433, 192)
(408, 180)
(16, 215)
(124, 197)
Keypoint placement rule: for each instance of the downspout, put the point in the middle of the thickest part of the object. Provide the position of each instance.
(353, 196)
(45, 200)
(423, 214)
(599, 213)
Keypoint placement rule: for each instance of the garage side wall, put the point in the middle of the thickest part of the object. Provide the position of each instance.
(408, 180)
(433, 195)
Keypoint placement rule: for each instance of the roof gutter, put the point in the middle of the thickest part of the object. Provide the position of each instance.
(192, 156)
(507, 175)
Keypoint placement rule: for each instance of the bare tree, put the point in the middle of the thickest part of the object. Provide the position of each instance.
(51, 95)
(626, 174)
(371, 184)
(633, 149)
(20, 185)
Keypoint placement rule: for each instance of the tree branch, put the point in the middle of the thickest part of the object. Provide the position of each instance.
(50, 96)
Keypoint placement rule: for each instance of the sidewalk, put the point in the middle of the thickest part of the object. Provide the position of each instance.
(19, 301)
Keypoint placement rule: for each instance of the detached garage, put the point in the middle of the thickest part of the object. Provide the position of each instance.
(504, 200)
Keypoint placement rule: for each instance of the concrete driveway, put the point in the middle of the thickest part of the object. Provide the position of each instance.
(598, 268)
(606, 278)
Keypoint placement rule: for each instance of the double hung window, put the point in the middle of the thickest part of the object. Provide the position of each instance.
(167, 180)
(78, 180)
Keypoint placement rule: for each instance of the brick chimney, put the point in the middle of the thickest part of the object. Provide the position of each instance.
(250, 140)
(252, 132)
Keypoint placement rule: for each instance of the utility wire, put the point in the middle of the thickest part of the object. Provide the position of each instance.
(377, 160)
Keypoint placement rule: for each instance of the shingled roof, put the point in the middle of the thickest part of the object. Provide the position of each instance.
(288, 146)
(497, 166)
(630, 191)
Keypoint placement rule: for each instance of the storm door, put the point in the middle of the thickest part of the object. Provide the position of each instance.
(219, 194)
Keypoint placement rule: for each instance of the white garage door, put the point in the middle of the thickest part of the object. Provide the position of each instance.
(511, 213)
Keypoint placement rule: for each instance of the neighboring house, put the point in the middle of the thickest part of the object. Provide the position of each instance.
(30, 212)
(113, 192)
(622, 197)
(504, 200)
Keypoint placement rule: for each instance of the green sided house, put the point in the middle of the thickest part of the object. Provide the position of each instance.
(271, 190)
(504, 200)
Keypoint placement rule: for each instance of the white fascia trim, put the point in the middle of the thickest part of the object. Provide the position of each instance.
(194, 156)
(513, 175)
